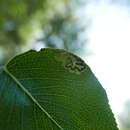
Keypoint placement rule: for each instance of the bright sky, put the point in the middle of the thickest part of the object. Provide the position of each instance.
(109, 41)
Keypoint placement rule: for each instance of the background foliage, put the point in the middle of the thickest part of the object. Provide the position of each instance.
(23, 24)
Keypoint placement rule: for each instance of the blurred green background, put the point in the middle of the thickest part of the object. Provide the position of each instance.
(26, 24)
(33, 24)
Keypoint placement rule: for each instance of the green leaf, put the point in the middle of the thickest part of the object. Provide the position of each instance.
(52, 90)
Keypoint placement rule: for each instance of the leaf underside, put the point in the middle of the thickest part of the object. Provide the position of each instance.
(52, 90)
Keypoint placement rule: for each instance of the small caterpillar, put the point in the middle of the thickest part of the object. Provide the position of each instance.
(71, 62)
(75, 64)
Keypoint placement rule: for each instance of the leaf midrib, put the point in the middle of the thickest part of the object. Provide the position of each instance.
(31, 97)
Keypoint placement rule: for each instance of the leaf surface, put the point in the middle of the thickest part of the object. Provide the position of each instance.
(52, 90)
